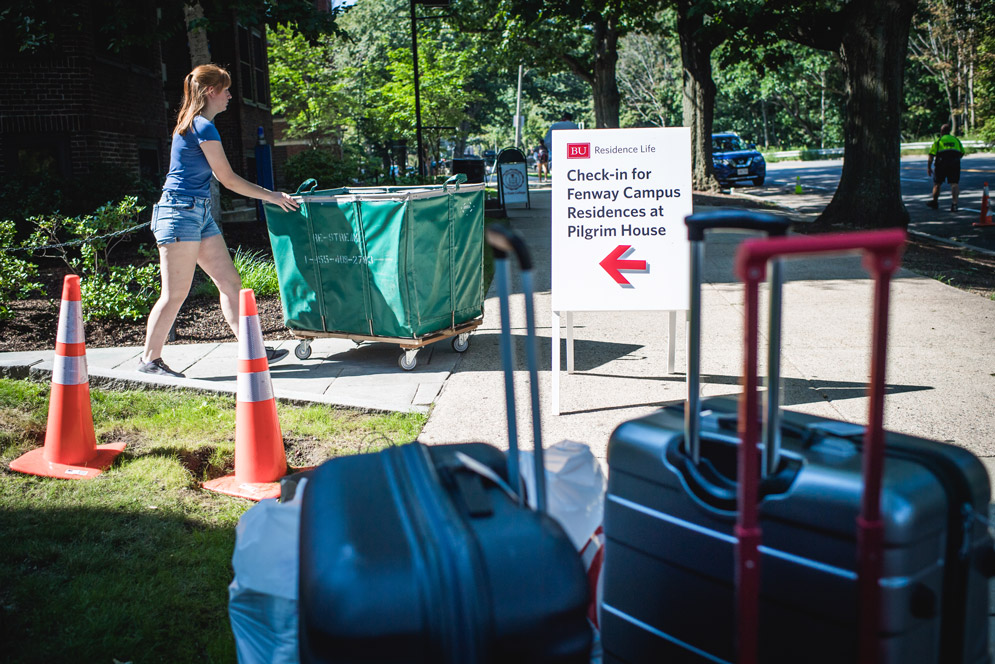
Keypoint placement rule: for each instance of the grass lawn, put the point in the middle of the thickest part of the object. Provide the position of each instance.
(134, 565)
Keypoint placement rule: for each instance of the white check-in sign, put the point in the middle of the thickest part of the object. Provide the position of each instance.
(619, 201)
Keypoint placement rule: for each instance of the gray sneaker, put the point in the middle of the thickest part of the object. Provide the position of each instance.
(275, 354)
(158, 368)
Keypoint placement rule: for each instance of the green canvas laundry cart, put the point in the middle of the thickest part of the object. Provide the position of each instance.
(400, 265)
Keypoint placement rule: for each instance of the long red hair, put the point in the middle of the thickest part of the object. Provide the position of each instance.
(195, 88)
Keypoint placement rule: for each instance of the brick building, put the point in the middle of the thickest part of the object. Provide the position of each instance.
(70, 109)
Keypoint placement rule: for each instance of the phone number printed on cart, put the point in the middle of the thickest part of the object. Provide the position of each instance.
(341, 260)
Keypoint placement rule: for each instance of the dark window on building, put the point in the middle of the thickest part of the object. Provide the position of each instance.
(38, 162)
(148, 162)
(244, 64)
(259, 65)
(253, 80)
(39, 156)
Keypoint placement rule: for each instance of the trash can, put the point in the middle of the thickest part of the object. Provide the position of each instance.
(401, 264)
(473, 168)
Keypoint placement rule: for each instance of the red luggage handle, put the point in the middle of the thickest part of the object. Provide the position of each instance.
(883, 250)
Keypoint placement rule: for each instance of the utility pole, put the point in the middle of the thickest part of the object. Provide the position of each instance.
(414, 53)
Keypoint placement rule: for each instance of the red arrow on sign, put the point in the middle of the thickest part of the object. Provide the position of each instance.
(613, 262)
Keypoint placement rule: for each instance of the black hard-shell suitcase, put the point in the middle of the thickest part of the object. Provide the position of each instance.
(677, 575)
(428, 554)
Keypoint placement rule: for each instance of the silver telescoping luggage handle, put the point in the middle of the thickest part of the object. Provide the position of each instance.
(772, 225)
(504, 242)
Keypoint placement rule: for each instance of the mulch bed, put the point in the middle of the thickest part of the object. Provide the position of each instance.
(36, 320)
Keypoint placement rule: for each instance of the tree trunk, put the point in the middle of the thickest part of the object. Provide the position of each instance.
(382, 150)
(604, 85)
(822, 111)
(970, 91)
(952, 107)
(200, 54)
(874, 48)
(763, 113)
(699, 96)
(200, 51)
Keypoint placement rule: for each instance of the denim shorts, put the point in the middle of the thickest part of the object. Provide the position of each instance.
(182, 218)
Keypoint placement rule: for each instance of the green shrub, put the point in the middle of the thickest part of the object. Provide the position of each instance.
(354, 169)
(89, 238)
(257, 272)
(16, 273)
(318, 164)
(86, 243)
(124, 292)
(987, 132)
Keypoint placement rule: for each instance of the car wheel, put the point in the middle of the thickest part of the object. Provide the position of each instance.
(758, 182)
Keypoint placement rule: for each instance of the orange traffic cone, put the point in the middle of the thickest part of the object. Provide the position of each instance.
(986, 219)
(260, 461)
(70, 450)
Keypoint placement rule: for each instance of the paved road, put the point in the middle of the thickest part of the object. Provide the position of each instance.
(819, 180)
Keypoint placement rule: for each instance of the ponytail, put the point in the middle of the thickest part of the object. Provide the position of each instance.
(195, 88)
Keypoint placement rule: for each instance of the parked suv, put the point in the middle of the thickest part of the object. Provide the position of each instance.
(735, 162)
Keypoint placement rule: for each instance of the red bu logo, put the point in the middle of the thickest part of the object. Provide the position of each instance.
(578, 150)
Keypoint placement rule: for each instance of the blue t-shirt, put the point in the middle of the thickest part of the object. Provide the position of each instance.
(189, 172)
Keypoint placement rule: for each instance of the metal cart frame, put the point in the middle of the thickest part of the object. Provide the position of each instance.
(460, 335)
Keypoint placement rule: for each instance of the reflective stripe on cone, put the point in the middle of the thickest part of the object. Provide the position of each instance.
(70, 371)
(70, 329)
(253, 387)
(250, 339)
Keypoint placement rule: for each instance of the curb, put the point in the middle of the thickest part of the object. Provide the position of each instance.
(927, 236)
(117, 379)
(954, 243)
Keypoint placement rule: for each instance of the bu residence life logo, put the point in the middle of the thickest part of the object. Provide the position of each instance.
(578, 150)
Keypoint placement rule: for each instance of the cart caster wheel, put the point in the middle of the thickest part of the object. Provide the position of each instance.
(461, 342)
(408, 360)
(303, 350)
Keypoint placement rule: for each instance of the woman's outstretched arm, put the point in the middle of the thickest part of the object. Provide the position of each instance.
(222, 170)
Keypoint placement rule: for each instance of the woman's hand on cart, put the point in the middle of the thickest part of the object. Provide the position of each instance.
(283, 200)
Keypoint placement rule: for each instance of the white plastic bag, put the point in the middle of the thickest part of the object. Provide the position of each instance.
(262, 599)
(575, 485)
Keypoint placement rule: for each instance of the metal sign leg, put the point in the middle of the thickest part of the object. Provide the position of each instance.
(570, 342)
(555, 368)
(672, 343)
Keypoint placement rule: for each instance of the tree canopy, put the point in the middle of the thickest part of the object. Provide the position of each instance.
(30, 25)
(861, 75)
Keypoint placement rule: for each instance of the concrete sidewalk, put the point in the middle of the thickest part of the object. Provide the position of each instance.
(941, 369)
(338, 373)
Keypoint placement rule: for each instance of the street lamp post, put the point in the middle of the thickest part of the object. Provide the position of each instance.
(414, 54)
(518, 111)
